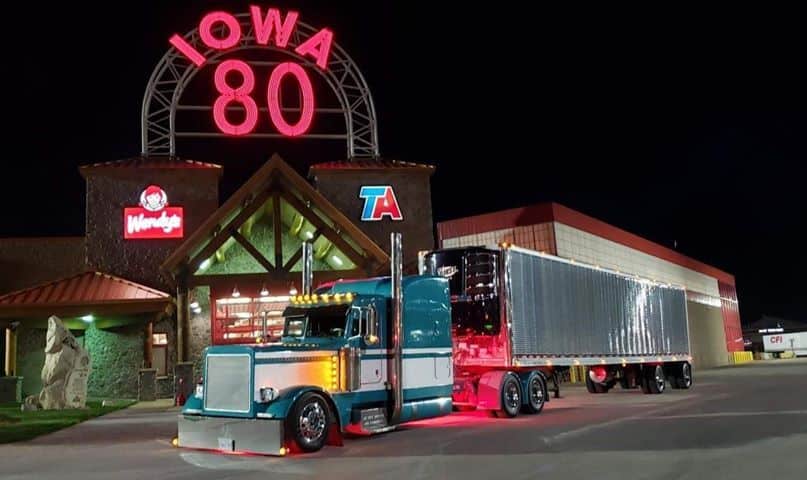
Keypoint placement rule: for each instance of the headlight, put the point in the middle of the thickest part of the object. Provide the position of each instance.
(200, 390)
(267, 394)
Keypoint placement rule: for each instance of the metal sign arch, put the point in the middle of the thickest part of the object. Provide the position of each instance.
(174, 72)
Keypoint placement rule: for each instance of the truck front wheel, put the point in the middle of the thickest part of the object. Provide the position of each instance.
(510, 397)
(309, 421)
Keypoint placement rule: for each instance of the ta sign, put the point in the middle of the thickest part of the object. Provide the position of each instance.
(379, 201)
(221, 31)
(153, 218)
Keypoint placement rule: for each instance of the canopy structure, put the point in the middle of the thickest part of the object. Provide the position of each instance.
(89, 293)
(256, 236)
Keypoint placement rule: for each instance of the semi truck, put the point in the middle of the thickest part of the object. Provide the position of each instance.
(483, 328)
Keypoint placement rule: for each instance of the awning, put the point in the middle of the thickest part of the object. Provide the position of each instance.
(88, 293)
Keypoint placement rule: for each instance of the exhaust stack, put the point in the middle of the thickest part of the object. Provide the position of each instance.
(308, 267)
(395, 365)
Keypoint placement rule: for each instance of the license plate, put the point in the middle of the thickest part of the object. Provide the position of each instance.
(226, 444)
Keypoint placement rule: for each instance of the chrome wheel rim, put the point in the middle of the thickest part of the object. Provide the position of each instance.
(511, 396)
(659, 378)
(536, 393)
(311, 422)
(687, 374)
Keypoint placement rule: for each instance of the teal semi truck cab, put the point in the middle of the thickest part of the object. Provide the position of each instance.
(358, 356)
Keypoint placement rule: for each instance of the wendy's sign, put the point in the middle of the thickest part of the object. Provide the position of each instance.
(153, 218)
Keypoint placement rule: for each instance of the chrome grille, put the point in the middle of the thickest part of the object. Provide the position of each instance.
(227, 386)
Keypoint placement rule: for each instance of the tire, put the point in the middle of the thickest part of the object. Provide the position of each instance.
(535, 395)
(594, 387)
(309, 422)
(510, 397)
(683, 376)
(653, 380)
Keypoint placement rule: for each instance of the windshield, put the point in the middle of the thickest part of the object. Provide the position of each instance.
(323, 322)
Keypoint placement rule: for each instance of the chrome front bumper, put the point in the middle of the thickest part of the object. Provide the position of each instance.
(242, 435)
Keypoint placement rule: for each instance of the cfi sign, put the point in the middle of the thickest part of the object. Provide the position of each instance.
(153, 218)
(379, 202)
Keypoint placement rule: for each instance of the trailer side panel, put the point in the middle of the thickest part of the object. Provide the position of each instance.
(560, 308)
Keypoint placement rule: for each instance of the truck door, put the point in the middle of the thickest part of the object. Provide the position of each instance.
(372, 356)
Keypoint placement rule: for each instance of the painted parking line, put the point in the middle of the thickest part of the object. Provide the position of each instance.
(731, 414)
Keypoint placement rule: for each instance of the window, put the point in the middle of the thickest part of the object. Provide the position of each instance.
(322, 322)
(243, 320)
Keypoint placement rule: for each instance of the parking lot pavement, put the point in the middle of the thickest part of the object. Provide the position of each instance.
(740, 422)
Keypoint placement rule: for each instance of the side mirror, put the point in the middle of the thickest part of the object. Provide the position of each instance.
(371, 326)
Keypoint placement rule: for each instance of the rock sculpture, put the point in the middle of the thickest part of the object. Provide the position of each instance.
(65, 374)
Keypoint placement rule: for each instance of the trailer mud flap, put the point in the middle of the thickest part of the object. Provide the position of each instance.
(260, 436)
(489, 390)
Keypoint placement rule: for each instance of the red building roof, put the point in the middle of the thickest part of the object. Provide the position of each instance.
(371, 164)
(88, 292)
(554, 212)
(156, 162)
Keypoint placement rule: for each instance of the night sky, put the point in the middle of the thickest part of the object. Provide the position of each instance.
(687, 127)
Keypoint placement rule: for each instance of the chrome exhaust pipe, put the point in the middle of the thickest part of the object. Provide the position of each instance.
(308, 267)
(395, 364)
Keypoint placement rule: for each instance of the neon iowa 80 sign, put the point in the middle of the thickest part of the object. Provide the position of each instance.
(222, 31)
(237, 88)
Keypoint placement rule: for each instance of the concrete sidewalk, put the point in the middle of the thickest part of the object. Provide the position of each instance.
(159, 405)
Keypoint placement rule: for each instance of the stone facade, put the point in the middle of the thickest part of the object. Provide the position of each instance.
(30, 358)
(147, 385)
(412, 190)
(199, 335)
(117, 357)
(109, 191)
(25, 262)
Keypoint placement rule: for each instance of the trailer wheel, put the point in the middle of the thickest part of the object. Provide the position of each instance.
(683, 376)
(653, 381)
(594, 387)
(309, 421)
(511, 398)
(536, 395)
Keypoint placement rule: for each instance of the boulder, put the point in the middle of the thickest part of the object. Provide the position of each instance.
(66, 371)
